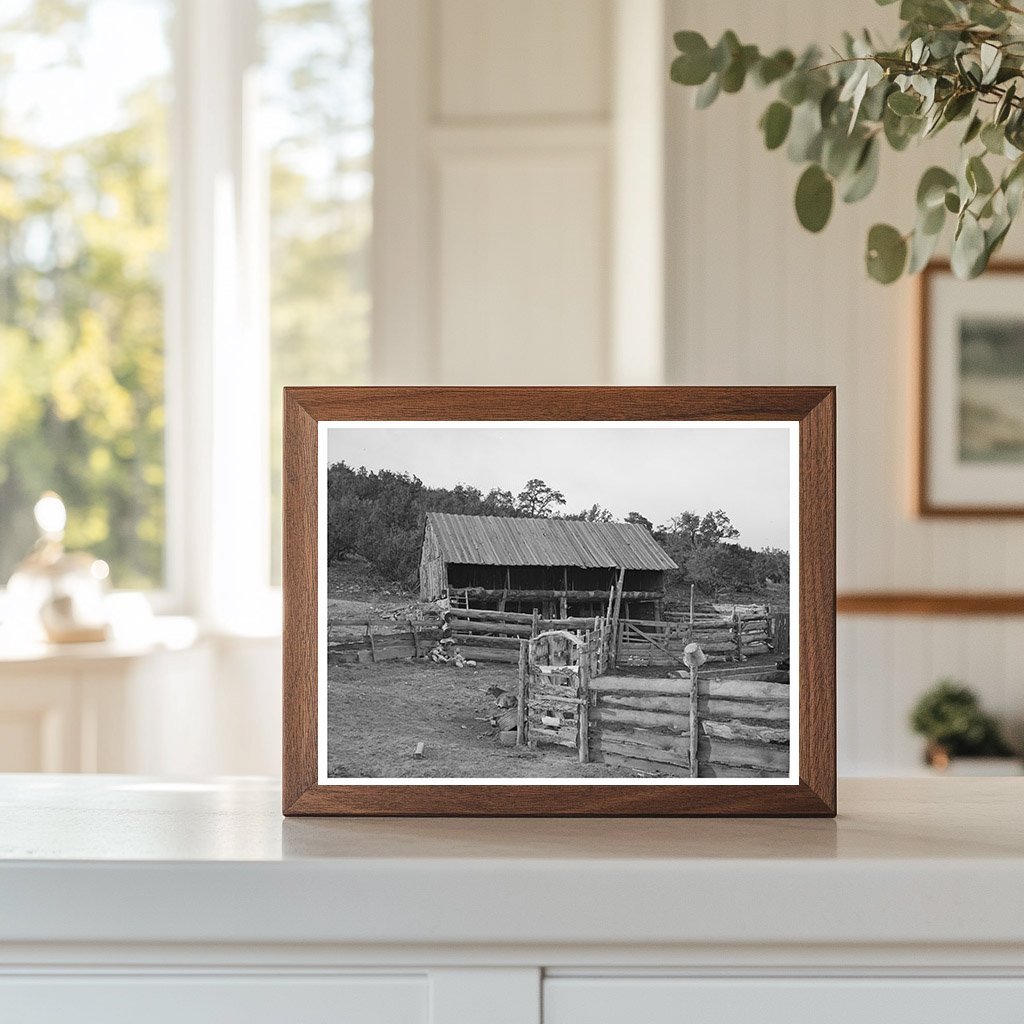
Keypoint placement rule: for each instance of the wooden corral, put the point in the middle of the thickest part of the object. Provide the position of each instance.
(699, 724)
(742, 726)
(640, 643)
(484, 635)
(370, 640)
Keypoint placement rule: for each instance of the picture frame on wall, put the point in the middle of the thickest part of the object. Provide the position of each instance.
(970, 415)
(559, 601)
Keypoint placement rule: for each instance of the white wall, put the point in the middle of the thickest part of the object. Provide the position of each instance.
(500, 157)
(754, 299)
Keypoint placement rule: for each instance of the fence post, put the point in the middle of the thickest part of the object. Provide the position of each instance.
(694, 769)
(521, 698)
(584, 694)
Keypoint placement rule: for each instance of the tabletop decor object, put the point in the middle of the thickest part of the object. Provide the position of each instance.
(956, 63)
(951, 719)
(970, 450)
(54, 593)
(559, 601)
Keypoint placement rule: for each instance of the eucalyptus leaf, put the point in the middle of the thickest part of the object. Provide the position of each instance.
(993, 138)
(735, 74)
(931, 222)
(900, 130)
(724, 51)
(973, 130)
(865, 173)
(840, 152)
(904, 103)
(775, 124)
(978, 176)
(991, 61)
(1005, 105)
(968, 248)
(987, 15)
(771, 69)
(931, 190)
(690, 70)
(922, 247)
(707, 93)
(805, 133)
(958, 105)
(794, 88)
(886, 254)
(814, 197)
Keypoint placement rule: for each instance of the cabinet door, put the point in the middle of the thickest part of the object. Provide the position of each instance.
(202, 999)
(677, 1000)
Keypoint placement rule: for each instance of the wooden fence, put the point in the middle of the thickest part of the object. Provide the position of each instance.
(722, 638)
(380, 639)
(705, 725)
(741, 726)
(496, 636)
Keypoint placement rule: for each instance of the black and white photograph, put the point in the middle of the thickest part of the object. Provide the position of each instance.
(505, 602)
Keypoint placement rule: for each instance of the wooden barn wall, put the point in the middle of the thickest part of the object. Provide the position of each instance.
(433, 578)
(753, 299)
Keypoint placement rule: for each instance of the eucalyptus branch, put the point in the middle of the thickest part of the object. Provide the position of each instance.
(955, 61)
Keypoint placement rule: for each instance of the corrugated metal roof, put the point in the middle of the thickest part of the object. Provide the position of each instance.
(501, 540)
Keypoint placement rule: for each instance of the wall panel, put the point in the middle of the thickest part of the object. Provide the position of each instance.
(521, 292)
(530, 58)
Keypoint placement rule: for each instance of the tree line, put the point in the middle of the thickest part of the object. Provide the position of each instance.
(379, 515)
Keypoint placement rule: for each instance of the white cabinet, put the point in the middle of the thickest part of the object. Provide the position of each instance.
(133, 899)
(216, 1000)
(823, 1000)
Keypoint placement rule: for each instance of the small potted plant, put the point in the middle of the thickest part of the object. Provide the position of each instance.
(950, 718)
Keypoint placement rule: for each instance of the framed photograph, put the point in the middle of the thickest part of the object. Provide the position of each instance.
(970, 451)
(559, 601)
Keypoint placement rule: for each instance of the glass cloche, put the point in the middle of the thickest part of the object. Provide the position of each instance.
(56, 595)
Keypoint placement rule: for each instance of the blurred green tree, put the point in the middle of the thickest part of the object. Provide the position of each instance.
(83, 216)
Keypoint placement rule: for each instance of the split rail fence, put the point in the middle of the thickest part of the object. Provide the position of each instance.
(380, 640)
(640, 643)
(496, 636)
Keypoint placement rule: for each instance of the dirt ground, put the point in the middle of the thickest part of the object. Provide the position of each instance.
(377, 714)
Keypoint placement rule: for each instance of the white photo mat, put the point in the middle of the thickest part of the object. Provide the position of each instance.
(323, 432)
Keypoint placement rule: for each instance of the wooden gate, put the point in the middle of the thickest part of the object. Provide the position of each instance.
(554, 689)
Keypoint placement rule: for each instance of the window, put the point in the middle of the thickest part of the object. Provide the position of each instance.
(83, 236)
(237, 212)
(317, 117)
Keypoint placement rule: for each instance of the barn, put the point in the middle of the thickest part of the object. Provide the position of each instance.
(557, 566)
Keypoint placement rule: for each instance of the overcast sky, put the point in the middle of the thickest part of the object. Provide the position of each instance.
(656, 471)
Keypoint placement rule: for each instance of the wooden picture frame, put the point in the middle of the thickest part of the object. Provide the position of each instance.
(934, 475)
(809, 789)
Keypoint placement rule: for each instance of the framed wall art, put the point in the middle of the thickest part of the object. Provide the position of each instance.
(559, 601)
(970, 445)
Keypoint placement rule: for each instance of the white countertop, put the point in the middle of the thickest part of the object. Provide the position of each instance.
(119, 859)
